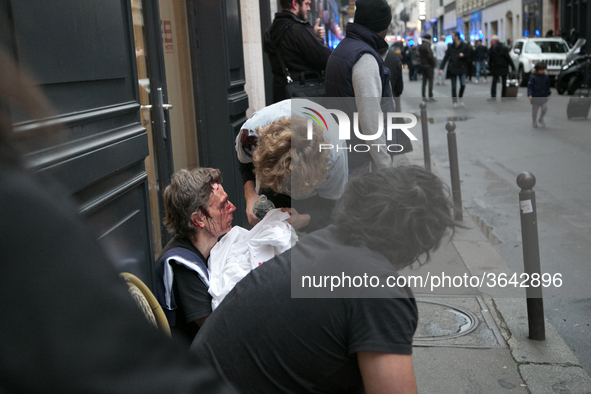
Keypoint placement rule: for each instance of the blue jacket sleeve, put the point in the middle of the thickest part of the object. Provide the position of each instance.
(530, 86)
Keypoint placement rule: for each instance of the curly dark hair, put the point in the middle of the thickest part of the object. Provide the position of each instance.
(401, 212)
(189, 191)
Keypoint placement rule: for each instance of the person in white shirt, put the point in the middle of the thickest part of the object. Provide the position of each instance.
(440, 49)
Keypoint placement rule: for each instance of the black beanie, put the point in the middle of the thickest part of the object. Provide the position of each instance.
(376, 15)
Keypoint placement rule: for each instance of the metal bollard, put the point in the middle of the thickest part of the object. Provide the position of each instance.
(454, 169)
(531, 255)
(425, 127)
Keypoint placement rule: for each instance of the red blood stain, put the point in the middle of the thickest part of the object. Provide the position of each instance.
(248, 142)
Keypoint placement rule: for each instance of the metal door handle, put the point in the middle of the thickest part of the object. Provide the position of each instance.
(147, 107)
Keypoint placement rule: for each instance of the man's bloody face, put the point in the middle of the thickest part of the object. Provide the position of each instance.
(219, 212)
(301, 10)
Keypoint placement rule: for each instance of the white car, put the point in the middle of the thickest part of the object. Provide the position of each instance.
(526, 52)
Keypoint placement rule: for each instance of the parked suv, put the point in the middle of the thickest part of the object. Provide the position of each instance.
(526, 52)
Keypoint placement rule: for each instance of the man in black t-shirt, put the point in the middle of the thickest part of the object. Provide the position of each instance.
(275, 333)
(197, 213)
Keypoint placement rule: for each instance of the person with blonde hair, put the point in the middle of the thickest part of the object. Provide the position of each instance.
(276, 155)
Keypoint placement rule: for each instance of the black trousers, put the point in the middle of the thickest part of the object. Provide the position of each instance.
(427, 76)
(493, 88)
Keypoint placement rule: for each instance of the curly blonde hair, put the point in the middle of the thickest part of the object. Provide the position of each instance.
(284, 154)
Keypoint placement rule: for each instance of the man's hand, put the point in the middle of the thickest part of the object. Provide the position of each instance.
(251, 198)
(386, 373)
(440, 71)
(296, 220)
(461, 54)
(319, 30)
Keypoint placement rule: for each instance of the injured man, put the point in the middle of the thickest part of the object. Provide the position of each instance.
(195, 271)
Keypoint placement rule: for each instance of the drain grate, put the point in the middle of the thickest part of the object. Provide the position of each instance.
(456, 322)
(444, 321)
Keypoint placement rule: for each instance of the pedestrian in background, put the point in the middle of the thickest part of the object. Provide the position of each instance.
(406, 57)
(427, 65)
(456, 55)
(470, 64)
(538, 91)
(415, 60)
(480, 56)
(300, 45)
(356, 70)
(574, 36)
(440, 49)
(499, 62)
(394, 64)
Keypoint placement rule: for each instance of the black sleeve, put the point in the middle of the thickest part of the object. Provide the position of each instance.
(315, 52)
(508, 59)
(320, 211)
(399, 82)
(68, 318)
(384, 325)
(194, 297)
(247, 172)
(394, 63)
(445, 59)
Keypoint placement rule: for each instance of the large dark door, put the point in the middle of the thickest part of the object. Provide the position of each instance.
(216, 44)
(82, 54)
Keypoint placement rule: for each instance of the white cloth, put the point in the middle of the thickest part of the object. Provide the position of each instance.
(240, 251)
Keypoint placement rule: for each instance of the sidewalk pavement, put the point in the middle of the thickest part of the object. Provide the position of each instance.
(471, 342)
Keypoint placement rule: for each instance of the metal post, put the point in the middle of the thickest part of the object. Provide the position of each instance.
(454, 169)
(425, 126)
(531, 255)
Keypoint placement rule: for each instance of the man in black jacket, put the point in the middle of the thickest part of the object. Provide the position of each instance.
(499, 62)
(394, 62)
(457, 56)
(299, 44)
(480, 57)
(427, 65)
